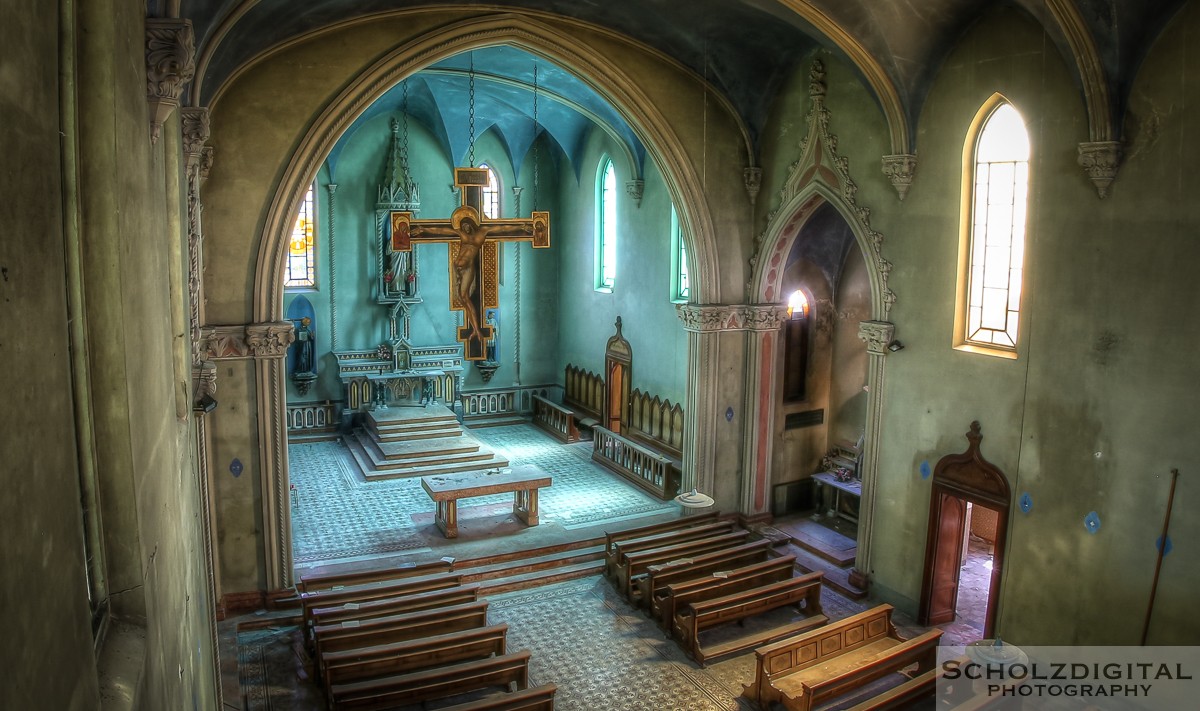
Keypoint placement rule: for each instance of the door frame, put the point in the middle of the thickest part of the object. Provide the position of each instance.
(618, 358)
(972, 479)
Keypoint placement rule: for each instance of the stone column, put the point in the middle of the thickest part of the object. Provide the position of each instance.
(268, 344)
(333, 329)
(705, 325)
(877, 335)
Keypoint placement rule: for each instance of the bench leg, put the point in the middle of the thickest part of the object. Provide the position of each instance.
(525, 506)
(446, 517)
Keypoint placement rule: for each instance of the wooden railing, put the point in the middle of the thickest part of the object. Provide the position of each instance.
(503, 401)
(641, 465)
(555, 419)
(313, 416)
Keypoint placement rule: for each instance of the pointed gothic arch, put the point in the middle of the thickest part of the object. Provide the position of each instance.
(588, 64)
(820, 177)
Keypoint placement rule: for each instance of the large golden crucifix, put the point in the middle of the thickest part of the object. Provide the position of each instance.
(474, 252)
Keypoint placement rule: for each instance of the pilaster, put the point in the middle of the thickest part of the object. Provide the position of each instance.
(170, 63)
(877, 335)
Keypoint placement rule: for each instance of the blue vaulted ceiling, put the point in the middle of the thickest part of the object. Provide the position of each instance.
(439, 99)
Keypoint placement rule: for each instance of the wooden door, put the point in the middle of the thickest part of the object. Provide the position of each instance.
(616, 388)
(944, 558)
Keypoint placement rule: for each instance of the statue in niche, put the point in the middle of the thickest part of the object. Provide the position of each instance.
(492, 319)
(399, 277)
(305, 348)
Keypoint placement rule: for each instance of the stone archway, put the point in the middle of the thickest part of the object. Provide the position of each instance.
(591, 66)
(820, 177)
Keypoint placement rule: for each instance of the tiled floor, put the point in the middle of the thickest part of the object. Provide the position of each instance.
(337, 514)
(974, 581)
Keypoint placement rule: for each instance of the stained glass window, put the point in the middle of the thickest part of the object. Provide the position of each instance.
(491, 194)
(301, 258)
(607, 228)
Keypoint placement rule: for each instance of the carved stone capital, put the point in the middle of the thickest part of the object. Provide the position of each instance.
(877, 335)
(204, 379)
(730, 317)
(1101, 160)
(270, 340)
(900, 169)
(256, 340)
(753, 179)
(195, 124)
(635, 189)
(206, 161)
(170, 63)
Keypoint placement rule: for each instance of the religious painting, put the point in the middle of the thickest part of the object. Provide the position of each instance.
(401, 231)
(541, 229)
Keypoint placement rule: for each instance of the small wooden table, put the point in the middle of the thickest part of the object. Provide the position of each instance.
(446, 489)
(851, 488)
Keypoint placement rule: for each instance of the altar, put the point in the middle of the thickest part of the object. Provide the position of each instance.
(378, 378)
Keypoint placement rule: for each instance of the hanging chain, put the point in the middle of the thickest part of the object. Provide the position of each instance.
(471, 111)
(404, 144)
(536, 162)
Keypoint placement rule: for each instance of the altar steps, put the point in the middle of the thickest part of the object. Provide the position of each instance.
(376, 467)
(408, 422)
(478, 421)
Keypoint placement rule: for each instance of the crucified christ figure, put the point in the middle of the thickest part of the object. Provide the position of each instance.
(471, 237)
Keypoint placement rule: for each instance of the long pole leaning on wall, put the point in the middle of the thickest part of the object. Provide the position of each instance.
(1162, 550)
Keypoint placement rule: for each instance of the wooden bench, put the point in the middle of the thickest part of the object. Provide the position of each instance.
(614, 559)
(824, 664)
(366, 592)
(614, 537)
(637, 562)
(554, 419)
(402, 657)
(395, 605)
(399, 628)
(538, 698)
(328, 581)
(904, 695)
(507, 671)
(674, 596)
(694, 618)
(657, 577)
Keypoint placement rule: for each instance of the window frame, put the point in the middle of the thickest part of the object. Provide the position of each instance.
(311, 283)
(492, 194)
(681, 282)
(602, 284)
(967, 235)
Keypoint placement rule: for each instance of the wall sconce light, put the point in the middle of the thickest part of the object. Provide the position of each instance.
(895, 346)
(204, 405)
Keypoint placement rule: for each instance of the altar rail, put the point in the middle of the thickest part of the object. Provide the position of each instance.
(517, 400)
(555, 419)
(313, 416)
(639, 464)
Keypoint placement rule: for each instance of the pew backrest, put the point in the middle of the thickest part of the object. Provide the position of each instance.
(399, 628)
(673, 596)
(507, 671)
(642, 531)
(375, 591)
(395, 605)
(658, 576)
(537, 698)
(327, 581)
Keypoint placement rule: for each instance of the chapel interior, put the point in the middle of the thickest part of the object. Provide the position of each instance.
(886, 298)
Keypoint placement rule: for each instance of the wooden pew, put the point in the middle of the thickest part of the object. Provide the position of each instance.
(538, 698)
(328, 581)
(657, 577)
(374, 591)
(696, 617)
(399, 628)
(902, 696)
(610, 538)
(813, 668)
(507, 671)
(675, 595)
(619, 549)
(395, 605)
(637, 562)
(401, 657)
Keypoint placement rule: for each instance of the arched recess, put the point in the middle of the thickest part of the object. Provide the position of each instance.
(588, 64)
(820, 177)
(959, 479)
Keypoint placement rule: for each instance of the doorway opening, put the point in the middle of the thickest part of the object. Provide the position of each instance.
(964, 554)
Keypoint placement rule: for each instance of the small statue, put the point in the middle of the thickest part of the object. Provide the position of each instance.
(305, 346)
(427, 392)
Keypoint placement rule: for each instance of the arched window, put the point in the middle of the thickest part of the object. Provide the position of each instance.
(795, 349)
(301, 259)
(606, 226)
(995, 189)
(680, 284)
(491, 194)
